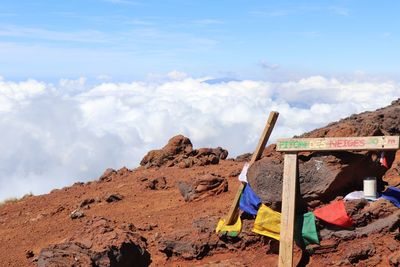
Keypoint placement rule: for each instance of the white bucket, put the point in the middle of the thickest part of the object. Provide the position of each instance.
(370, 188)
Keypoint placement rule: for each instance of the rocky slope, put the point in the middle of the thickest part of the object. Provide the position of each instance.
(165, 212)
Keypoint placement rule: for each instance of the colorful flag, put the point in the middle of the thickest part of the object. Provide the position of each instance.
(249, 201)
(334, 213)
(307, 230)
(268, 222)
(229, 230)
(383, 160)
(393, 195)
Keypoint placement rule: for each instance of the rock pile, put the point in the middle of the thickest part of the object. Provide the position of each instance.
(99, 243)
(179, 152)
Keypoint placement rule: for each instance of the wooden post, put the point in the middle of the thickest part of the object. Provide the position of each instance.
(288, 210)
(233, 211)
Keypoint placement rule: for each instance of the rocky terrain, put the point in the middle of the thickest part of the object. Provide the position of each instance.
(165, 211)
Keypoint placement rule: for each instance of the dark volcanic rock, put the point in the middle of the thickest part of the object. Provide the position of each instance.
(99, 243)
(176, 145)
(382, 225)
(362, 253)
(76, 214)
(86, 202)
(244, 157)
(207, 184)
(322, 176)
(185, 247)
(65, 254)
(113, 198)
(179, 152)
(200, 240)
(158, 183)
(392, 176)
(107, 175)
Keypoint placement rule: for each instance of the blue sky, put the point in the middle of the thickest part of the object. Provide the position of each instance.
(136, 39)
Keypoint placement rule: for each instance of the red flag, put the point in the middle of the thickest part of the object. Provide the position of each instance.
(334, 213)
(383, 161)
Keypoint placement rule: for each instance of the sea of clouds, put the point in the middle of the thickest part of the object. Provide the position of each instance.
(52, 135)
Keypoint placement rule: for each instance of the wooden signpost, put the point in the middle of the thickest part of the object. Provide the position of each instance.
(291, 147)
(338, 143)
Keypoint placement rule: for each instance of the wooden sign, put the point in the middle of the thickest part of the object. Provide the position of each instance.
(291, 147)
(339, 143)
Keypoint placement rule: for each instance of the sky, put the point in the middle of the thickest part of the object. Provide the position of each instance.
(126, 39)
(94, 84)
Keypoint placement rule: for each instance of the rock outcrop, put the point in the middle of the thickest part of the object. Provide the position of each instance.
(392, 176)
(179, 152)
(204, 185)
(99, 243)
(322, 176)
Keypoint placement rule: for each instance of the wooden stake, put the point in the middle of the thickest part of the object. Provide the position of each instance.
(233, 211)
(288, 210)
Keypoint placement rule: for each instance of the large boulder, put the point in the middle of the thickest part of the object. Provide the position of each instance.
(176, 145)
(392, 176)
(179, 152)
(99, 243)
(322, 176)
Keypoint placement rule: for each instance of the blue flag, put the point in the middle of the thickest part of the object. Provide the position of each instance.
(393, 195)
(249, 201)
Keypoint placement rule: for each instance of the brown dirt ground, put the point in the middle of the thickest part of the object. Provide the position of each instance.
(37, 221)
(34, 222)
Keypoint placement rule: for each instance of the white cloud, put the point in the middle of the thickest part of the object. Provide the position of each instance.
(176, 75)
(53, 135)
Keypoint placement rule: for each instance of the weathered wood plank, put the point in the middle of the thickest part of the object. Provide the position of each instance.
(288, 210)
(339, 143)
(269, 126)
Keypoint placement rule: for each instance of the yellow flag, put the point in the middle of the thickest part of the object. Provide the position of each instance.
(268, 222)
(230, 230)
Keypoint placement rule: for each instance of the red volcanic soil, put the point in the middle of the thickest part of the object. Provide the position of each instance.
(37, 221)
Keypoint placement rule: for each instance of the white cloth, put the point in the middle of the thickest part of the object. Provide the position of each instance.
(355, 195)
(243, 173)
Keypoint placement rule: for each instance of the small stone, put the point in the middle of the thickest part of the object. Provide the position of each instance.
(107, 175)
(157, 183)
(29, 254)
(86, 202)
(363, 252)
(113, 198)
(394, 259)
(76, 214)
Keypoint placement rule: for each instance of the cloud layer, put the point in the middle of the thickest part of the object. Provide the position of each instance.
(55, 134)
